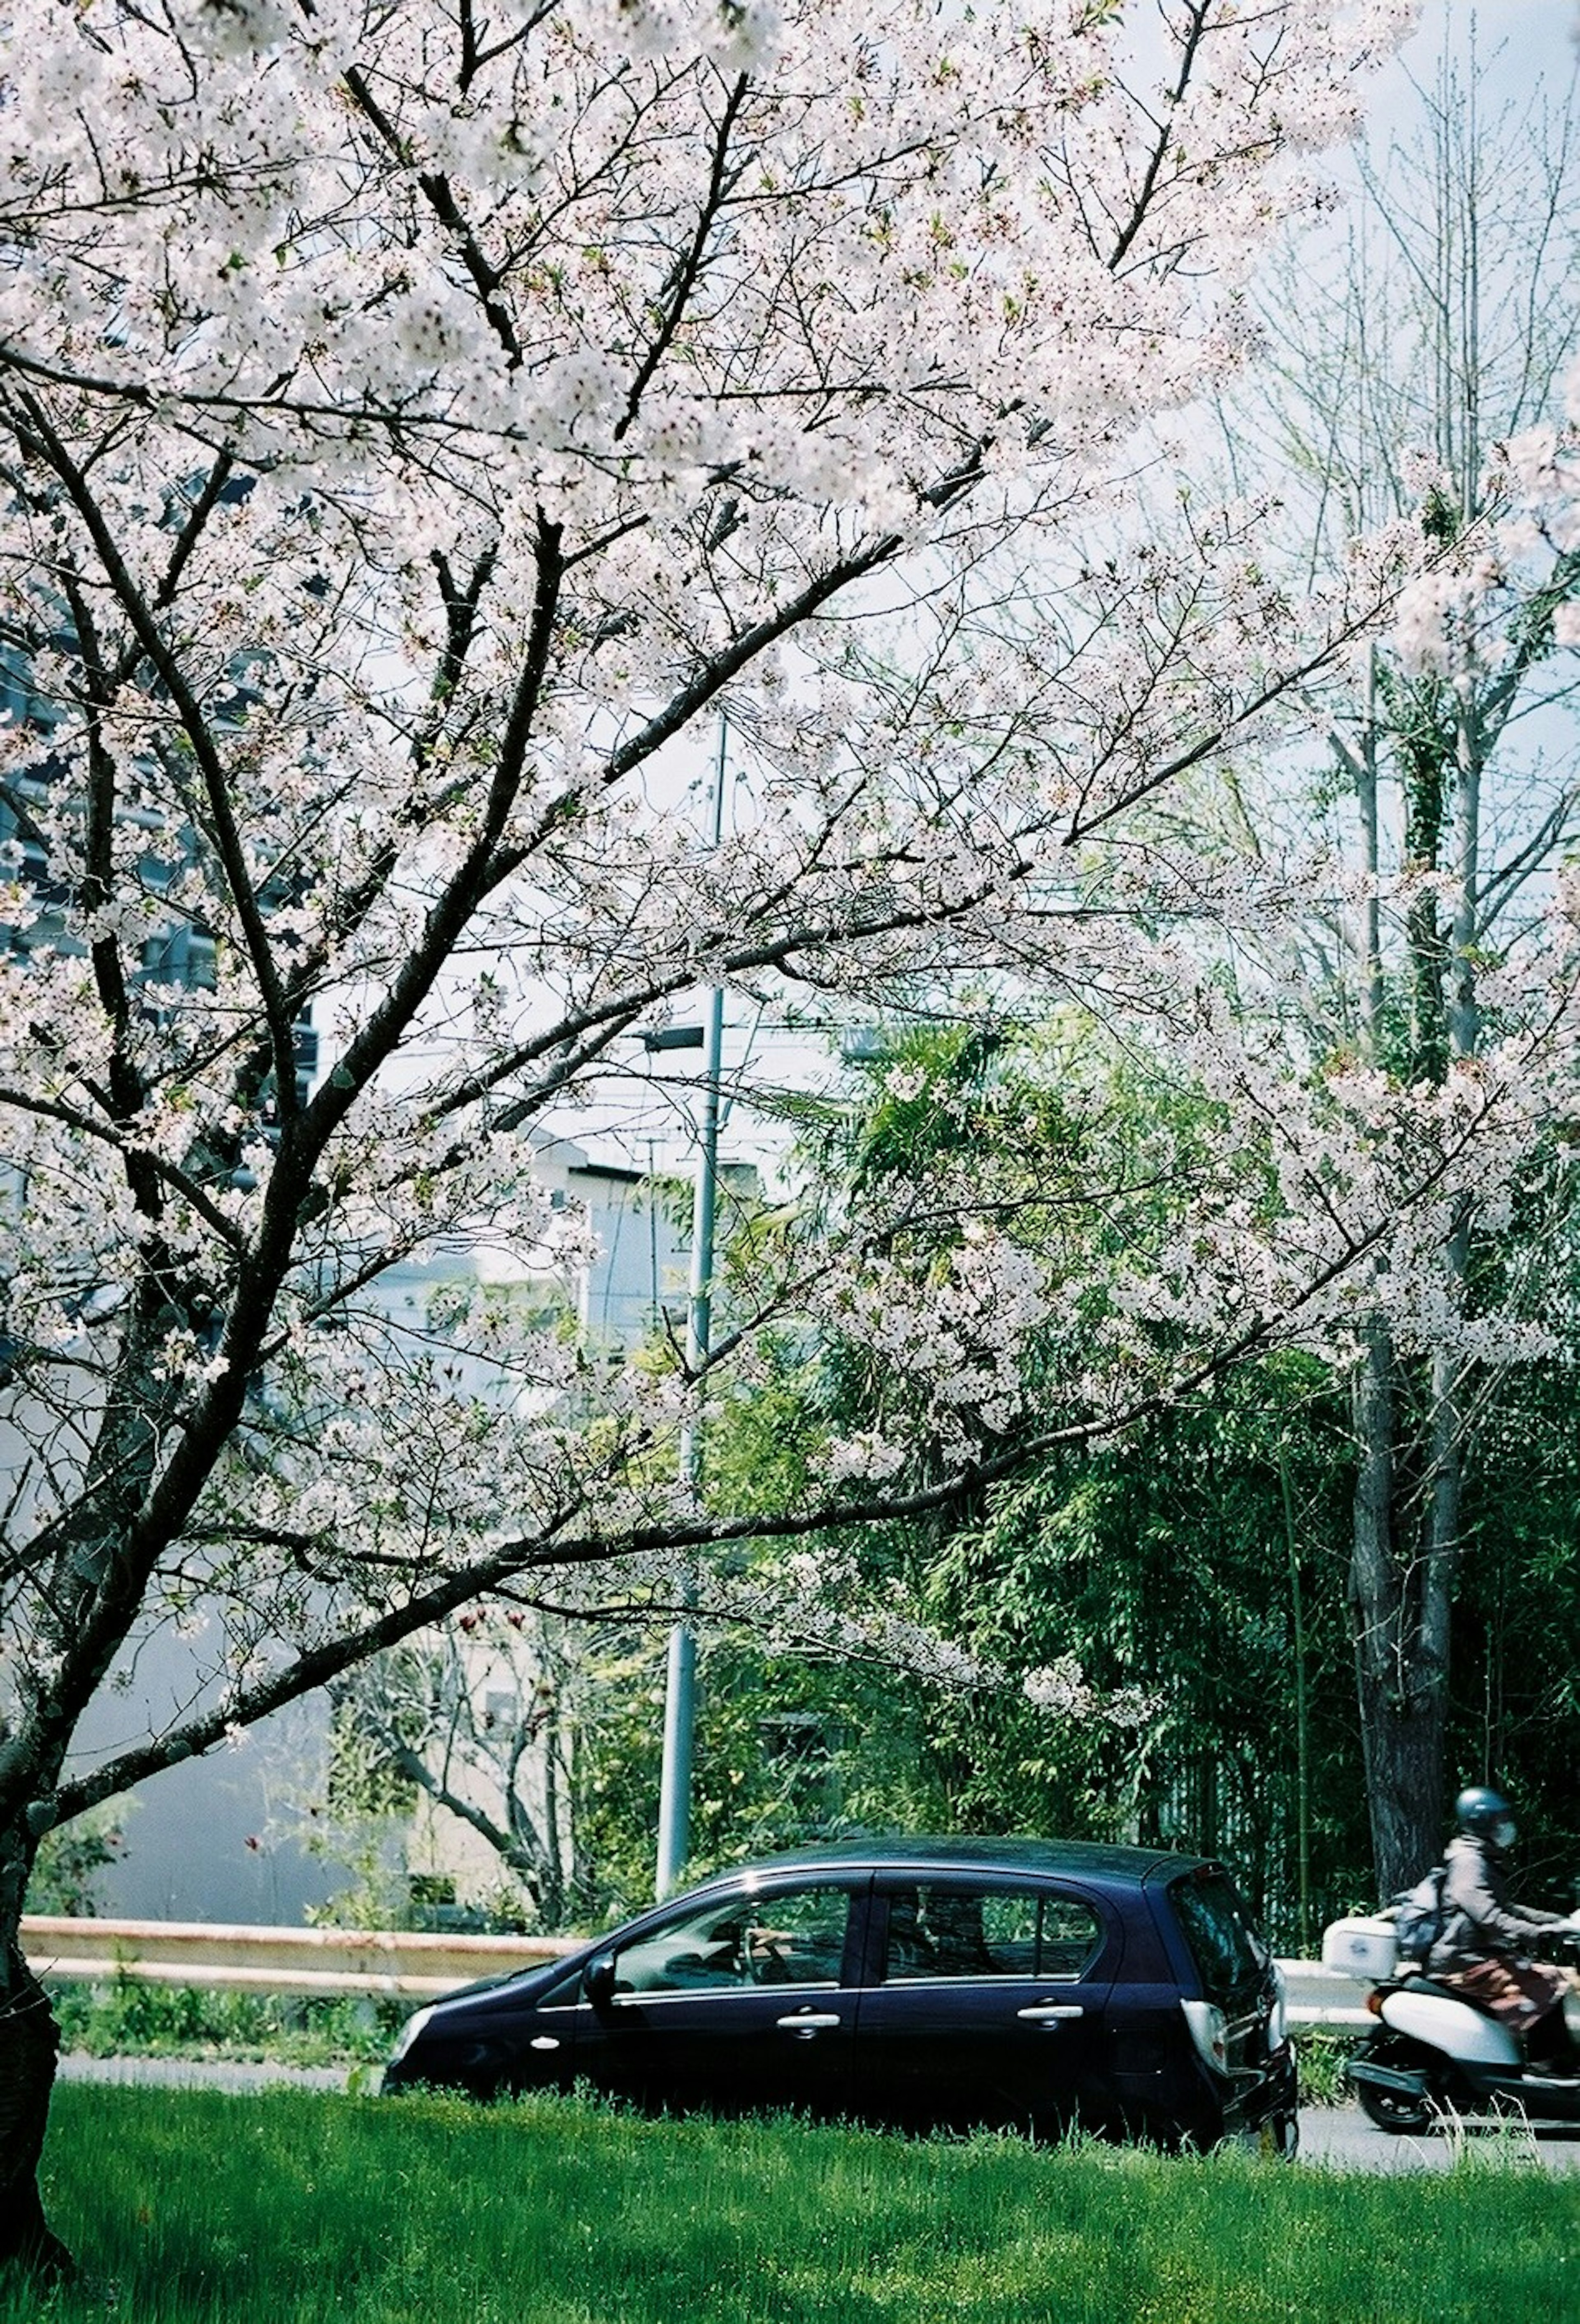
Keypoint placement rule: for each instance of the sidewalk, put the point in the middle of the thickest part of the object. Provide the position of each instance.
(204, 2073)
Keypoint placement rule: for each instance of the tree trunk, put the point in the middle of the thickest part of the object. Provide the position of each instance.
(1401, 1662)
(1403, 1735)
(30, 2041)
(1406, 1538)
(1401, 1575)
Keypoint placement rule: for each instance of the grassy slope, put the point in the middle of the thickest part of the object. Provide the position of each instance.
(185, 2206)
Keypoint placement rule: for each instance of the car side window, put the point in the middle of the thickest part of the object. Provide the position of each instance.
(1070, 1938)
(791, 1936)
(955, 1931)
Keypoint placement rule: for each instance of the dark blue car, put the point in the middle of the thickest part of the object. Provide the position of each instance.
(916, 1982)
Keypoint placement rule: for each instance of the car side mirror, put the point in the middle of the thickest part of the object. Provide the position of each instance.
(597, 1980)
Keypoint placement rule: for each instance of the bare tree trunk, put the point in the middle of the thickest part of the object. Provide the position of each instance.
(1401, 1668)
(1408, 1488)
(28, 2051)
(1405, 1529)
(1402, 1726)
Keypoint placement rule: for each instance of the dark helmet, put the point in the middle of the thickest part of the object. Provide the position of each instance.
(1480, 1808)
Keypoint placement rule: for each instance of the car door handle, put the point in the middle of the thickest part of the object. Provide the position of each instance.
(809, 2023)
(1051, 2012)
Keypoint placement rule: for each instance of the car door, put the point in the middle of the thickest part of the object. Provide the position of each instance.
(987, 1999)
(745, 1999)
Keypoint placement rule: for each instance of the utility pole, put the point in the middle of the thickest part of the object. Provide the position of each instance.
(680, 1678)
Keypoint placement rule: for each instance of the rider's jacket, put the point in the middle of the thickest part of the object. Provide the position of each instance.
(1482, 1920)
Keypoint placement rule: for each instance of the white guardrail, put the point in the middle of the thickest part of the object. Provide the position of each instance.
(414, 1964)
(275, 1960)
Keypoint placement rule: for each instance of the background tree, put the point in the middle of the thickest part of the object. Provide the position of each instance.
(478, 1722)
(1191, 1574)
(1418, 385)
(1167, 1606)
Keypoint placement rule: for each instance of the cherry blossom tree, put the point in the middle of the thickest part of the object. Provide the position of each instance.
(414, 422)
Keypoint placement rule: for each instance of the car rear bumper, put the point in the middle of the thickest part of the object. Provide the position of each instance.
(1261, 2113)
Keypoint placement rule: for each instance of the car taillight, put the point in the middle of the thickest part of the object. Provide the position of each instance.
(1374, 2004)
(1209, 2031)
(1277, 2015)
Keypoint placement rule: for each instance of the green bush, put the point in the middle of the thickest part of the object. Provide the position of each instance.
(73, 1858)
(127, 2017)
(1323, 2056)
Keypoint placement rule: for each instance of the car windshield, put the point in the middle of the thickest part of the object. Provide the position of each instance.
(783, 1936)
(1229, 1951)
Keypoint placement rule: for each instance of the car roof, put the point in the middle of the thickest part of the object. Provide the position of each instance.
(1082, 1859)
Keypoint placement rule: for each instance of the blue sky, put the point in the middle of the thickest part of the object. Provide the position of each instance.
(1520, 40)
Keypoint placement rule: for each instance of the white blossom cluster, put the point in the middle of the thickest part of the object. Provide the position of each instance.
(1453, 617)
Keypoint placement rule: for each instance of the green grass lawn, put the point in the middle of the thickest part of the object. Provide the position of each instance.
(194, 2207)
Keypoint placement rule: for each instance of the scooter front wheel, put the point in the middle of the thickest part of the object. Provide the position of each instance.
(1401, 2112)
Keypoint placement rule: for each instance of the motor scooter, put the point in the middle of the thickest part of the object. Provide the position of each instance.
(1434, 2054)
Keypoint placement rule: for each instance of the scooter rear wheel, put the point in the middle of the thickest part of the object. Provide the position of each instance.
(1399, 2112)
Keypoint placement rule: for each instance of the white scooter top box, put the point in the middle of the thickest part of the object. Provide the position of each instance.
(1363, 1946)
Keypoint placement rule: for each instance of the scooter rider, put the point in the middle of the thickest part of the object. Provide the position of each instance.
(1483, 1951)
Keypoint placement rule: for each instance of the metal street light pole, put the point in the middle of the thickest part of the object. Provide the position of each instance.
(680, 1678)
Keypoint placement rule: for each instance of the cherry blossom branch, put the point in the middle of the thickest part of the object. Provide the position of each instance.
(440, 197)
(1195, 24)
(49, 445)
(482, 1575)
(688, 270)
(484, 866)
(114, 1136)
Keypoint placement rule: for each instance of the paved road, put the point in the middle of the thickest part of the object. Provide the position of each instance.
(1337, 2137)
(1342, 2137)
